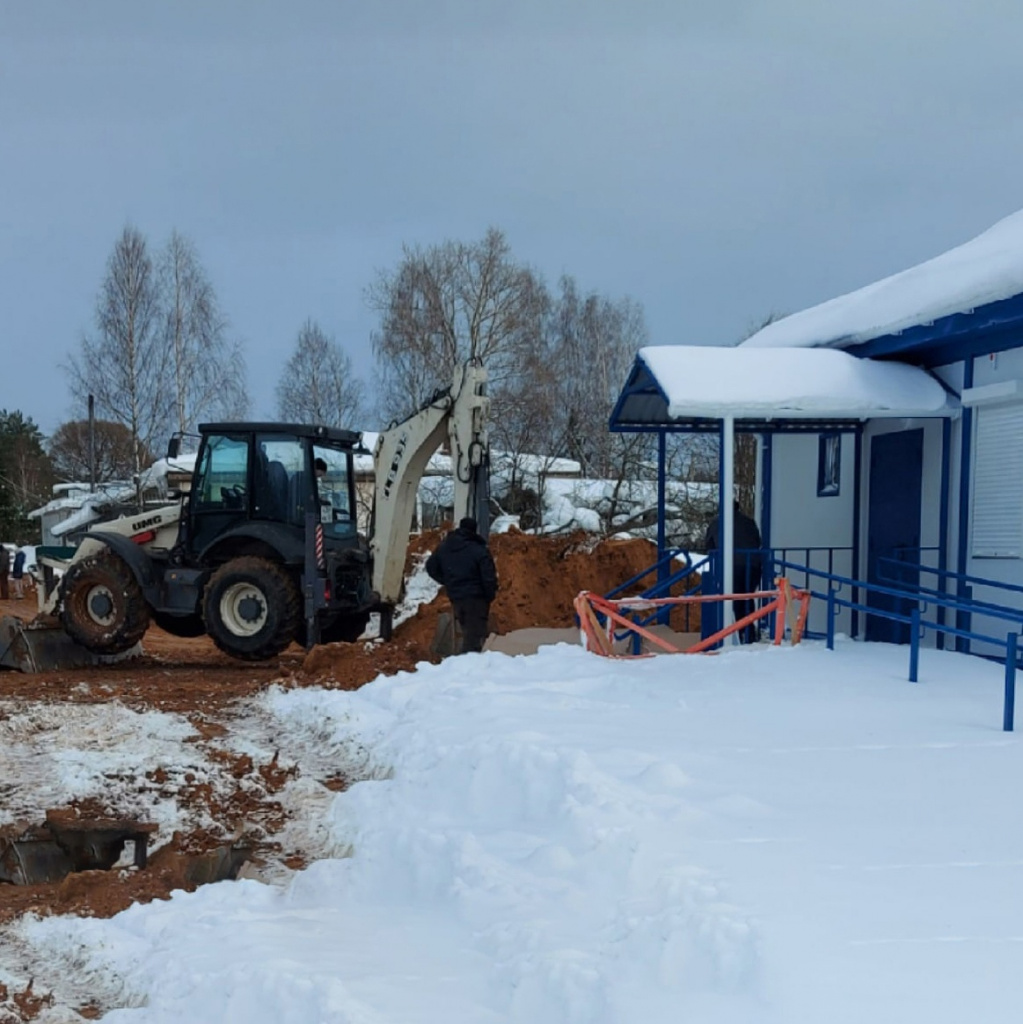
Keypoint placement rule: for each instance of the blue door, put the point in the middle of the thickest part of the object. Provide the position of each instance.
(893, 528)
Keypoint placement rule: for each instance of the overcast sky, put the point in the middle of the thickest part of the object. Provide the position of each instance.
(716, 160)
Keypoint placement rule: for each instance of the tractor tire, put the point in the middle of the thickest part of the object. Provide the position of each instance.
(252, 608)
(102, 606)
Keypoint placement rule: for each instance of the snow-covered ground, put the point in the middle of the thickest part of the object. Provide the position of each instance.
(775, 834)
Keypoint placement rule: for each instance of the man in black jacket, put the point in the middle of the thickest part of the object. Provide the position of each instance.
(465, 568)
(747, 566)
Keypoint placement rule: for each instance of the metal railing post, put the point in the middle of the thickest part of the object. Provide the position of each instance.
(1011, 643)
(914, 645)
(831, 619)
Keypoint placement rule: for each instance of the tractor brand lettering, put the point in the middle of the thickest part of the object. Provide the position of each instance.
(399, 454)
(143, 523)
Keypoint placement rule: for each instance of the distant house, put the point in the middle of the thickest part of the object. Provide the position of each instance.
(890, 427)
(67, 499)
(65, 519)
(435, 501)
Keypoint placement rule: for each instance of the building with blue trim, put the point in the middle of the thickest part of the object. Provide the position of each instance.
(876, 504)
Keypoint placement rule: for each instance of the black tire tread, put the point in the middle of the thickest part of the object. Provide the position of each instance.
(283, 601)
(111, 571)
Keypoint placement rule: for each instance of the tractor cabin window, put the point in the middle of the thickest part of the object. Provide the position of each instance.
(334, 490)
(223, 474)
(279, 478)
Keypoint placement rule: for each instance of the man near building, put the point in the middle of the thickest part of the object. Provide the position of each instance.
(747, 564)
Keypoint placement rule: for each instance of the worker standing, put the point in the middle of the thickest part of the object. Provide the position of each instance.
(18, 574)
(465, 568)
(5, 568)
(747, 563)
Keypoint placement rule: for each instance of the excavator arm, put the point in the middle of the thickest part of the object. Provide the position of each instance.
(401, 456)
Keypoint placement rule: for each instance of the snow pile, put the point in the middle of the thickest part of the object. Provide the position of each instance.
(785, 835)
(50, 757)
(419, 590)
(93, 507)
(439, 463)
(632, 504)
(157, 477)
(986, 269)
(701, 381)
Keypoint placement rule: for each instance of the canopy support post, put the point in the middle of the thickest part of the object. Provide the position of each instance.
(664, 570)
(727, 520)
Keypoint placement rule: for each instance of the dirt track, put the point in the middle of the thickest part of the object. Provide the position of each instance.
(539, 578)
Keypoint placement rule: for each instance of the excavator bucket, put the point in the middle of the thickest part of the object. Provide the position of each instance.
(40, 646)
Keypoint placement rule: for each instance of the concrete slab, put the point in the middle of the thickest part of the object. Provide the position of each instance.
(529, 641)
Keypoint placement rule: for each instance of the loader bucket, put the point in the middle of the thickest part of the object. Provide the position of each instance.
(40, 647)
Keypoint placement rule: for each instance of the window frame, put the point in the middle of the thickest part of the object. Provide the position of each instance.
(829, 465)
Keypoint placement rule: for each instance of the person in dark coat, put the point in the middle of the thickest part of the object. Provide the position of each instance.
(5, 568)
(18, 575)
(464, 567)
(747, 564)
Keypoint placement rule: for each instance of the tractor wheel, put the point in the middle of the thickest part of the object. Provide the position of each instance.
(103, 607)
(251, 608)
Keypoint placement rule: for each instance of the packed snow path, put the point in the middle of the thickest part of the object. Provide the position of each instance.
(776, 834)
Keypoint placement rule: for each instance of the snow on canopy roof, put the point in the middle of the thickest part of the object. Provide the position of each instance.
(986, 269)
(705, 382)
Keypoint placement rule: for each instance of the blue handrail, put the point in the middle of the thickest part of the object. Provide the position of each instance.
(916, 598)
(918, 626)
(972, 603)
(660, 588)
(960, 576)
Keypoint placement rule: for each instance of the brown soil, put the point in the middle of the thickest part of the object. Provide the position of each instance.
(539, 578)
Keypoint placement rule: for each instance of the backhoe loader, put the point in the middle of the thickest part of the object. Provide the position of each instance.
(263, 549)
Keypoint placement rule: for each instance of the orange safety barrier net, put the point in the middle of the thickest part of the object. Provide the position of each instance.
(789, 605)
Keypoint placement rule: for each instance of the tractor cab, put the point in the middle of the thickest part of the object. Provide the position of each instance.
(261, 480)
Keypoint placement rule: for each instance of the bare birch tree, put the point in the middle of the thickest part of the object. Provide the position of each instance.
(596, 341)
(318, 384)
(447, 304)
(207, 371)
(125, 364)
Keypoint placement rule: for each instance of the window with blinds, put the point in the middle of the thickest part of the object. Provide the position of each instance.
(998, 482)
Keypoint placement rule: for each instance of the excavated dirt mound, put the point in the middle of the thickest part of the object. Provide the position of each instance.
(539, 579)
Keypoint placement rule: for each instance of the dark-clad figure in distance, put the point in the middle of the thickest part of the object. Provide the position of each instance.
(747, 565)
(464, 567)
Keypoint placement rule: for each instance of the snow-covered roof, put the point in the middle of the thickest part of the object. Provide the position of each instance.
(534, 465)
(94, 507)
(59, 505)
(155, 477)
(439, 463)
(779, 384)
(986, 269)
